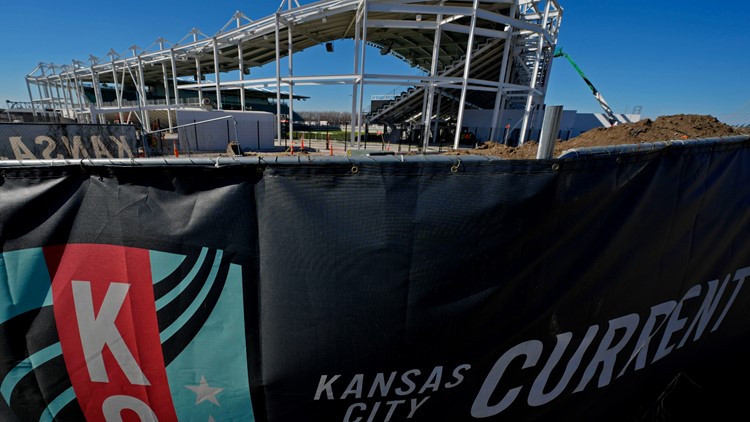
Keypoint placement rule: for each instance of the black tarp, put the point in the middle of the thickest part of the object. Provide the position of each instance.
(52, 141)
(425, 288)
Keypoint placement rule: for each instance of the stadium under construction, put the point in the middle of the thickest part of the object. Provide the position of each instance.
(489, 55)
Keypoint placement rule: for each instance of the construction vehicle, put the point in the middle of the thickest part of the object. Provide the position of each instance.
(608, 114)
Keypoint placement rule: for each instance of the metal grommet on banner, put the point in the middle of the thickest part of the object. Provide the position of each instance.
(455, 167)
(355, 169)
(259, 169)
(2, 174)
(618, 160)
(556, 167)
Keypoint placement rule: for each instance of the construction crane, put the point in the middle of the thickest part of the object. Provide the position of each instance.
(608, 114)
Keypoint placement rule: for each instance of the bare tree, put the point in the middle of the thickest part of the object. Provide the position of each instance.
(331, 117)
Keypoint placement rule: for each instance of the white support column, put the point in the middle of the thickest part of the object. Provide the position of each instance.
(31, 97)
(436, 129)
(534, 76)
(467, 67)
(217, 73)
(118, 92)
(73, 86)
(75, 94)
(290, 52)
(145, 119)
(65, 110)
(427, 114)
(198, 72)
(72, 95)
(79, 89)
(551, 51)
(42, 96)
(46, 96)
(502, 76)
(361, 113)
(56, 102)
(166, 94)
(357, 46)
(68, 96)
(278, 80)
(99, 99)
(422, 121)
(241, 67)
(174, 77)
(41, 99)
(241, 59)
(166, 86)
(97, 94)
(52, 87)
(122, 82)
(67, 99)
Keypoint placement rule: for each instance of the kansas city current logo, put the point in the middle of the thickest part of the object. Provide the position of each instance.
(111, 333)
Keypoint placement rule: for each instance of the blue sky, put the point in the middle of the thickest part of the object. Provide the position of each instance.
(667, 57)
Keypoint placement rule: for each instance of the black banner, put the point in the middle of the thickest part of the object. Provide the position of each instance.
(420, 288)
(42, 141)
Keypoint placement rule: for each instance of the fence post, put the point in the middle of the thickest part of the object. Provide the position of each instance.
(550, 126)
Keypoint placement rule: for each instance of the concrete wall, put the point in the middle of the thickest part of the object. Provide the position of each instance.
(255, 130)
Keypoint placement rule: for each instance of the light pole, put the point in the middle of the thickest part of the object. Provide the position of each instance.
(345, 137)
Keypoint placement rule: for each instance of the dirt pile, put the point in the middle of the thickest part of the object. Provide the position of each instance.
(664, 128)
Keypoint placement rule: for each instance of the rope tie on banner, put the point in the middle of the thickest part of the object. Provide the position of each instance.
(261, 168)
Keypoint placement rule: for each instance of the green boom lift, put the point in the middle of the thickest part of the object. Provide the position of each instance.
(607, 110)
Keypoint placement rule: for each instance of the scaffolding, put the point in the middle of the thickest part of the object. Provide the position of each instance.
(478, 54)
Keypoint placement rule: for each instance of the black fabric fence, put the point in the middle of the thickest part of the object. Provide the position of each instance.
(421, 288)
(47, 141)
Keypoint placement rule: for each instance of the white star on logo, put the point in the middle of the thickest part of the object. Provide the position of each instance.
(204, 392)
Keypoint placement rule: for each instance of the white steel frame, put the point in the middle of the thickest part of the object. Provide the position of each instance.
(529, 34)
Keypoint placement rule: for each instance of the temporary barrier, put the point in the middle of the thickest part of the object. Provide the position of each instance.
(211, 131)
(41, 141)
(390, 288)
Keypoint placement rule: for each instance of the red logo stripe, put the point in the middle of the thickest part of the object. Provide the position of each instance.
(106, 318)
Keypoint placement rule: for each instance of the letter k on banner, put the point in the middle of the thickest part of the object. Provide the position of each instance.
(104, 309)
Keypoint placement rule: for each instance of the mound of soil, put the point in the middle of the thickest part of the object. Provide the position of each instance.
(664, 128)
